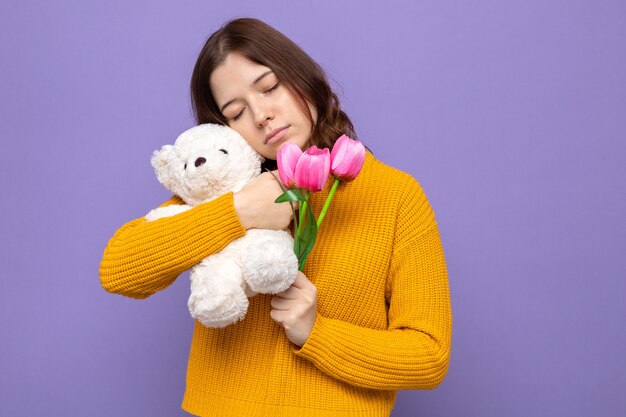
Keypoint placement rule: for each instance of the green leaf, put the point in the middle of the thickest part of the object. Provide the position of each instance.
(290, 195)
(296, 247)
(303, 244)
(309, 235)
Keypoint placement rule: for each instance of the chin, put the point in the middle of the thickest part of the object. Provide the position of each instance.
(270, 155)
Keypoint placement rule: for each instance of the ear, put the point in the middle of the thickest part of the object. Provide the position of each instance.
(164, 161)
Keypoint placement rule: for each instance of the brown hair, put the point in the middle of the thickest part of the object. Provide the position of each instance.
(301, 75)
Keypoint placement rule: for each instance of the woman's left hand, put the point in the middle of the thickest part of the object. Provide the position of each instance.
(296, 309)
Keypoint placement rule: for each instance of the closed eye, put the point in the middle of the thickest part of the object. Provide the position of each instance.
(239, 115)
(224, 150)
(269, 90)
(274, 87)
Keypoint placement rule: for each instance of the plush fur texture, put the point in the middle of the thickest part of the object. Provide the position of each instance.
(204, 163)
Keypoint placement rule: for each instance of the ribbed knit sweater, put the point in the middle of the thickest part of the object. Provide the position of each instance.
(384, 319)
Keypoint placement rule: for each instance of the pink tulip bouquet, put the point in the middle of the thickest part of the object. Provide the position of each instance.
(303, 173)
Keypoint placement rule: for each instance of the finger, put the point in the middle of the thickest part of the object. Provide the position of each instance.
(275, 175)
(290, 293)
(301, 281)
(295, 204)
(278, 316)
(280, 303)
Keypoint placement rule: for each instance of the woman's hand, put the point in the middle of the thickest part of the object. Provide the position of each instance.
(296, 309)
(255, 204)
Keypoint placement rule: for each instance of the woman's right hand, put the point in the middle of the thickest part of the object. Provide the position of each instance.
(255, 204)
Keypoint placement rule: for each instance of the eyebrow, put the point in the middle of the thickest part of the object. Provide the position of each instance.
(259, 78)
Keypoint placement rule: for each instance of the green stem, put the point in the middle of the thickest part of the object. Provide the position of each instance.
(327, 203)
(302, 212)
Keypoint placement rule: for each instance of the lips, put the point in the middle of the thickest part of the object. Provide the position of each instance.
(275, 134)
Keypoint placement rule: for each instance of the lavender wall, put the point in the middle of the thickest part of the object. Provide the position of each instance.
(509, 113)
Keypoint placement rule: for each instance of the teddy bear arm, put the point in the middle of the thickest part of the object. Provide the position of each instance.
(269, 263)
(218, 291)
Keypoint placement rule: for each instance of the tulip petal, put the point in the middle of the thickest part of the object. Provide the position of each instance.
(287, 159)
(347, 158)
(312, 169)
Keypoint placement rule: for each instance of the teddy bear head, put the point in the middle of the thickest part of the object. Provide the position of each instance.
(206, 162)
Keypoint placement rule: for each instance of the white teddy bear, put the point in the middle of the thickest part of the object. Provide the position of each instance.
(204, 163)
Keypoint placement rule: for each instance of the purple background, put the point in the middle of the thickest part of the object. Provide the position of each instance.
(510, 114)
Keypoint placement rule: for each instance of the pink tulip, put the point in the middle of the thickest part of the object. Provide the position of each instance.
(313, 169)
(347, 158)
(287, 159)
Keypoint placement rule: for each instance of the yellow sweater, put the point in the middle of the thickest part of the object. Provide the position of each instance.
(384, 318)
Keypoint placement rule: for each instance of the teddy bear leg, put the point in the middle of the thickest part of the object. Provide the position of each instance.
(218, 295)
(269, 264)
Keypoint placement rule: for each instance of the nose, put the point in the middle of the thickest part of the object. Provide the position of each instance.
(199, 161)
(263, 115)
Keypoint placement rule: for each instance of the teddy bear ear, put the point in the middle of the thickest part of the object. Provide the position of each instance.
(163, 160)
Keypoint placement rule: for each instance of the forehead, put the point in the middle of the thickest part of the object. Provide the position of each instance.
(233, 77)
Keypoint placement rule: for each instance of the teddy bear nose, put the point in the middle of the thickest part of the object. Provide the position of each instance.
(200, 161)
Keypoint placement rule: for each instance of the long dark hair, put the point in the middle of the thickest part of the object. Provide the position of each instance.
(301, 75)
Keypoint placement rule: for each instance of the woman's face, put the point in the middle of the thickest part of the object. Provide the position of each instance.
(255, 103)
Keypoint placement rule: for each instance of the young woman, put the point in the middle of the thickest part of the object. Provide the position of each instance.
(369, 315)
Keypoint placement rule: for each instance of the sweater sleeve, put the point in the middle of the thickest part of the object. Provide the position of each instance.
(144, 257)
(413, 352)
